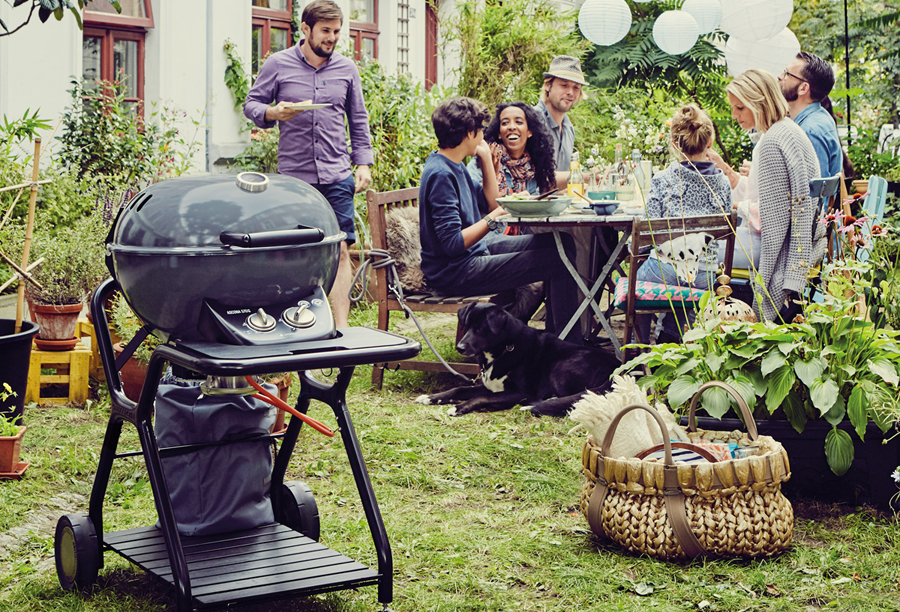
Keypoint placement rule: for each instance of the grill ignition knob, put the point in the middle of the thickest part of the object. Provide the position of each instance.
(261, 321)
(299, 316)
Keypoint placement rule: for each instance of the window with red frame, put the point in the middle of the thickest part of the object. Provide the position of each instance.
(271, 29)
(113, 46)
(364, 28)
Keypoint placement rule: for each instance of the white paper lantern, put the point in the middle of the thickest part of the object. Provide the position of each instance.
(707, 13)
(772, 54)
(604, 22)
(755, 20)
(675, 32)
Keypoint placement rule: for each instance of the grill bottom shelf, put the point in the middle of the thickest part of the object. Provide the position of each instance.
(268, 562)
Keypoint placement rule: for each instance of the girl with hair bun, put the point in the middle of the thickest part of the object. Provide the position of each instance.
(690, 187)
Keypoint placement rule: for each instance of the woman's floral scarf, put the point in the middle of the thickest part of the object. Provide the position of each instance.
(514, 173)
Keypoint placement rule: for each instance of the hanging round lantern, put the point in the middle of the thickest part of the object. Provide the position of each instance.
(675, 32)
(755, 20)
(707, 13)
(772, 54)
(604, 22)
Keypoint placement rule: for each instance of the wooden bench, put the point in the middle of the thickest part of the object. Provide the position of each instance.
(379, 206)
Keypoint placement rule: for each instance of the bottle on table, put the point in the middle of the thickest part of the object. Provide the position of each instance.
(576, 177)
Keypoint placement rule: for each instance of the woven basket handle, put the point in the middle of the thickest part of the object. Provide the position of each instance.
(674, 497)
(608, 438)
(749, 421)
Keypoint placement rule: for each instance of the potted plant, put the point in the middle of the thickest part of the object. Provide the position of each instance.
(10, 439)
(73, 265)
(125, 325)
(825, 387)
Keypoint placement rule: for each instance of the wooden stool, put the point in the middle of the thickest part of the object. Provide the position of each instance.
(85, 329)
(71, 368)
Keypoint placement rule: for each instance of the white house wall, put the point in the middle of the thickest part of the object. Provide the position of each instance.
(37, 65)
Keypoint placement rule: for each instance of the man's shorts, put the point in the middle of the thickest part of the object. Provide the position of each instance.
(340, 196)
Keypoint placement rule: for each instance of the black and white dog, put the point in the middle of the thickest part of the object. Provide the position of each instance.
(521, 364)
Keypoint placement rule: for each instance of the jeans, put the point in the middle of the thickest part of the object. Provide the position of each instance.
(656, 271)
(513, 261)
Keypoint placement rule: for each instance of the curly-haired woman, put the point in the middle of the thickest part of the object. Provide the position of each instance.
(522, 150)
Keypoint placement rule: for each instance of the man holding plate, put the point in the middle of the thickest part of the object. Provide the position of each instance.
(312, 145)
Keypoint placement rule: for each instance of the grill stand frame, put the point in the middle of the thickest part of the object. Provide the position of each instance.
(357, 346)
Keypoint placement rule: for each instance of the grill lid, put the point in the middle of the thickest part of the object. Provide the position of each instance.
(192, 212)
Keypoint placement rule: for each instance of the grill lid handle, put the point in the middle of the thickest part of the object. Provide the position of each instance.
(293, 237)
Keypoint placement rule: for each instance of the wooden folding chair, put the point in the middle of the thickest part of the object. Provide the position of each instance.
(646, 234)
(380, 206)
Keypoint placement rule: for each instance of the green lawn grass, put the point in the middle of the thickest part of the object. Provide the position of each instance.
(481, 510)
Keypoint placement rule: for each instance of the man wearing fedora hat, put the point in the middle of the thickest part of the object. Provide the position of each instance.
(561, 91)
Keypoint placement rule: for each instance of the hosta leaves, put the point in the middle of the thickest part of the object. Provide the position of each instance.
(771, 362)
(757, 380)
(823, 393)
(809, 371)
(681, 390)
(839, 451)
(714, 361)
(687, 366)
(837, 412)
(793, 410)
(858, 410)
(885, 369)
(780, 383)
(715, 401)
(745, 389)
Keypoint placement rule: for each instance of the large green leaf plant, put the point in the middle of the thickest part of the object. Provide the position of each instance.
(834, 365)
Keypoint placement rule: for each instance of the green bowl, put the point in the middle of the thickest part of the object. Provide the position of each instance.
(601, 195)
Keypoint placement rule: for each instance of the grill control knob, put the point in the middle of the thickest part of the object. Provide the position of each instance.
(299, 316)
(261, 321)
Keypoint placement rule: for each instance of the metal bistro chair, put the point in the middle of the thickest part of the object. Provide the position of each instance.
(874, 204)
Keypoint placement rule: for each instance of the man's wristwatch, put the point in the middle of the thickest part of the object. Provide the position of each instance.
(491, 223)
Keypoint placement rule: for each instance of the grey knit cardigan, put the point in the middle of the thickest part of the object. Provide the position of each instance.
(792, 240)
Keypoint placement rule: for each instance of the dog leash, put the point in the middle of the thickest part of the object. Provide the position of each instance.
(380, 258)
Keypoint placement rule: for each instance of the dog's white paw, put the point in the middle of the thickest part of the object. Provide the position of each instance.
(525, 408)
(451, 411)
(424, 399)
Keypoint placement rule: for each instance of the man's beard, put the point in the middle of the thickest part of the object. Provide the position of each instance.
(790, 93)
(320, 51)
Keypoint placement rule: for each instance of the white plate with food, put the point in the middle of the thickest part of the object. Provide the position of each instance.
(518, 206)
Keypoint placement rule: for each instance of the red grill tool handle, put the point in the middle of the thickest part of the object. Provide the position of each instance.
(278, 403)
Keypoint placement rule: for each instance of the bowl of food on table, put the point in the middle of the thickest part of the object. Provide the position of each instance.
(524, 206)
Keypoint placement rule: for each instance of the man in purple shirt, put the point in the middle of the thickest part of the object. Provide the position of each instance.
(313, 144)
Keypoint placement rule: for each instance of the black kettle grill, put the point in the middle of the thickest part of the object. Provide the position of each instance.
(232, 275)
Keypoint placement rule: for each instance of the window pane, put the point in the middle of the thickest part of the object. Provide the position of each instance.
(362, 11)
(125, 65)
(278, 40)
(278, 5)
(368, 48)
(130, 8)
(90, 59)
(255, 49)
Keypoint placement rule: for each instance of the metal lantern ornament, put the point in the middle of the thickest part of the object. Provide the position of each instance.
(755, 20)
(675, 32)
(707, 13)
(604, 22)
(772, 54)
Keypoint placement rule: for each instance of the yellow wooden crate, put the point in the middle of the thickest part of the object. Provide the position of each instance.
(85, 329)
(71, 368)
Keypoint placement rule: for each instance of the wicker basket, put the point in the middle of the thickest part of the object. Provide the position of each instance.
(731, 508)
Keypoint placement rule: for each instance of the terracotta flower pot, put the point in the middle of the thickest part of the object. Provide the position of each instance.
(132, 375)
(9, 451)
(861, 186)
(58, 325)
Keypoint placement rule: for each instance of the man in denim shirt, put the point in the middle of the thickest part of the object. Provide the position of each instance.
(560, 92)
(805, 82)
(312, 145)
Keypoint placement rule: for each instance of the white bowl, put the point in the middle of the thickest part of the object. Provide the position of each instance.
(548, 207)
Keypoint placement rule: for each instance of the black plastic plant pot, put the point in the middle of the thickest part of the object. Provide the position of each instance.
(15, 357)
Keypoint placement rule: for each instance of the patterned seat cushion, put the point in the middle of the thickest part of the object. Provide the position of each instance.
(655, 295)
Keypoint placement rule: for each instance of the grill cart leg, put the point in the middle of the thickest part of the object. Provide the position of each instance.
(335, 396)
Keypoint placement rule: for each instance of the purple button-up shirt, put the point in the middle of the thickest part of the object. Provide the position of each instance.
(313, 145)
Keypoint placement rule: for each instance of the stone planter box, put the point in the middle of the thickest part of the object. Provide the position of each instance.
(867, 482)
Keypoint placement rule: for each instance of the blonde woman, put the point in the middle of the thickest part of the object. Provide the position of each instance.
(784, 162)
(690, 187)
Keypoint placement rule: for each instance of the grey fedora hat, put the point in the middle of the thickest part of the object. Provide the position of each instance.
(566, 67)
